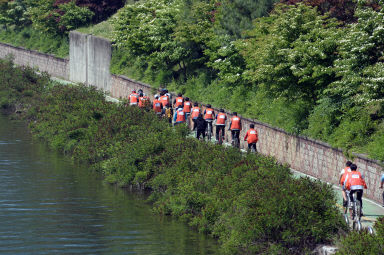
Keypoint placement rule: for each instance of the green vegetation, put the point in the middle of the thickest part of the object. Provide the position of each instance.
(300, 68)
(43, 25)
(364, 243)
(250, 203)
(32, 39)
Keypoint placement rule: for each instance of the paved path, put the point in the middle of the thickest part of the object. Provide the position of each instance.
(371, 210)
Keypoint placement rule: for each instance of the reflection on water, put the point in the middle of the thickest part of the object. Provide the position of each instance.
(50, 206)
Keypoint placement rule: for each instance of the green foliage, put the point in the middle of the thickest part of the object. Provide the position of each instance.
(30, 38)
(249, 202)
(236, 16)
(14, 13)
(291, 53)
(58, 19)
(364, 243)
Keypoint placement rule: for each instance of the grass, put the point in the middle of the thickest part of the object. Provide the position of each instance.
(32, 39)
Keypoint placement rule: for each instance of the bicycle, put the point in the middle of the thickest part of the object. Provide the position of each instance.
(236, 139)
(356, 213)
(346, 207)
(209, 130)
(221, 136)
(188, 120)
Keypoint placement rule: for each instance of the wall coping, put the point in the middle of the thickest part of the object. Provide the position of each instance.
(34, 52)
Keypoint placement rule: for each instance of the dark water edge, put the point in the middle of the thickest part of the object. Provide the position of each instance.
(48, 205)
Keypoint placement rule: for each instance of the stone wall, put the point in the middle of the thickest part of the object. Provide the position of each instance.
(305, 155)
(57, 67)
(309, 156)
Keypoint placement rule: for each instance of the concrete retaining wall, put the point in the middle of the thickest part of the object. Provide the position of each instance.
(90, 60)
(57, 67)
(305, 155)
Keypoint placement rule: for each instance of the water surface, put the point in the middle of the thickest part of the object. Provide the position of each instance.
(50, 206)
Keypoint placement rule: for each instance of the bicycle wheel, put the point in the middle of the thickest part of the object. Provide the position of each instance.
(346, 218)
(220, 136)
(237, 142)
(356, 225)
(209, 132)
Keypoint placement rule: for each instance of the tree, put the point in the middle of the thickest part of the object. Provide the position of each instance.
(237, 15)
(48, 16)
(291, 53)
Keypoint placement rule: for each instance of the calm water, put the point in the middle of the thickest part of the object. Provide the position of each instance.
(50, 206)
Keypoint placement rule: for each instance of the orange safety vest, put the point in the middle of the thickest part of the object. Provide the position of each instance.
(208, 114)
(143, 101)
(133, 98)
(221, 118)
(164, 100)
(187, 107)
(235, 123)
(180, 116)
(195, 112)
(251, 136)
(354, 181)
(157, 106)
(347, 170)
(179, 102)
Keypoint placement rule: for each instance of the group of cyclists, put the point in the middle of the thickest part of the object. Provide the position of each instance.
(182, 111)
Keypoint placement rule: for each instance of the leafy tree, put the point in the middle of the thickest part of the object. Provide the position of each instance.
(360, 66)
(291, 53)
(13, 13)
(146, 30)
(102, 9)
(49, 17)
(237, 15)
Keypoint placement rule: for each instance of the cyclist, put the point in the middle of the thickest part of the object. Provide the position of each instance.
(235, 127)
(381, 186)
(157, 106)
(251, 137)
(355, 183)
(168, 113)
(195, 113)
(200, 126)
(187, 107)
(133, 98)
(179, 101)
(164, 99)
(179, 116)
(343, 174)
(209, 116)
(221, 118)
(143, 101)
(169, 95)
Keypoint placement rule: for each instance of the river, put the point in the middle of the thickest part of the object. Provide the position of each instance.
(48, 205)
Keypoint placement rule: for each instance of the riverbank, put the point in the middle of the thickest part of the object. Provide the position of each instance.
(251, 204)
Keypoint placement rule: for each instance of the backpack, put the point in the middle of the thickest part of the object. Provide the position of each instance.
(168, 112)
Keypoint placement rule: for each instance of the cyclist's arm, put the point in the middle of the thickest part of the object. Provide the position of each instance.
(230, 125)
(245, 137)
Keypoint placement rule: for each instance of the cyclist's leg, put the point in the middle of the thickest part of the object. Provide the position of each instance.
(351, 201)
(249, 147)
(359, 197)
(254, 147)
(238, 138)
(217, 132)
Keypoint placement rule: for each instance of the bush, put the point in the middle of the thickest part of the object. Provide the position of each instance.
(364, 243)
